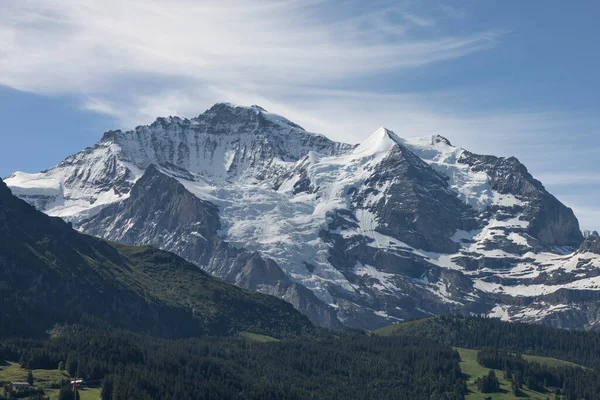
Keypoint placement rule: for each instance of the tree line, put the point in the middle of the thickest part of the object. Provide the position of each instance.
(338, 365)
(570, 382)
(477, 332)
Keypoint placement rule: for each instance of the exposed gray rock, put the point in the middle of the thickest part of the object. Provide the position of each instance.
(549, 220)
(418, 207)
(591, 244)
(251, 138)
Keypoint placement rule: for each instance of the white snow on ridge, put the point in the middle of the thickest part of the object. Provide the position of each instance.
(385, 280)
(567, 264)
(472, 187)
(285, 227)
(78, 187)
(40, 184)
(378, 144)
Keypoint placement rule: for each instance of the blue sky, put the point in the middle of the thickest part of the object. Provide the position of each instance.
(501, 77)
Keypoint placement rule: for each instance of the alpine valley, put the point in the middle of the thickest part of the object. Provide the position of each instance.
(351, 235)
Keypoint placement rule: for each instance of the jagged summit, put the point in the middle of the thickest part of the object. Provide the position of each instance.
(221, 118)
(226, 142)
(256, 116)
(442, 139)
(257, 107)
(591, 244)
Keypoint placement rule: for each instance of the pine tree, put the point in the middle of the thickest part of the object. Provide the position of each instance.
(107, 388)
(66, 394)
(30, 377)
(516, 389)
(71, 365)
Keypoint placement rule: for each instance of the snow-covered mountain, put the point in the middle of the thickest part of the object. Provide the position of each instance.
(356, 235)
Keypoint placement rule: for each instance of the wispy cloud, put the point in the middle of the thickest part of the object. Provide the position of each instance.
(67, 46)
(139, 59)
(453, 12)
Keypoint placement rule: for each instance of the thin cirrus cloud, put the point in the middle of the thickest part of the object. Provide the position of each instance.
(85, 47)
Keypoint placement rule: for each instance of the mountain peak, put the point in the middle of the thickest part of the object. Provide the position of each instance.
(230, 108)
(441, 139)
(110, 136)
(227, 113)
(380, 141)
(257, 107)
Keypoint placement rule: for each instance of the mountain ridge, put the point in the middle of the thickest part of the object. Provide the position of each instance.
(390, 229)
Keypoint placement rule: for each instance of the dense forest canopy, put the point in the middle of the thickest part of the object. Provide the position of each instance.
(324, 365)
(416, 361)
(579, 347)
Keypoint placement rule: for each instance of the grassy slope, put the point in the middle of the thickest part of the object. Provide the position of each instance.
(255, 337)
(549, 361)
(43, 378)
(399, 328)
(471, 368)
(173, 281)
(85, 394)
(14, 373)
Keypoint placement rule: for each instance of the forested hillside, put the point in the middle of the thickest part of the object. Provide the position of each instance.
(348, 365)
(513, 351)
(579, 347)
(50, 273)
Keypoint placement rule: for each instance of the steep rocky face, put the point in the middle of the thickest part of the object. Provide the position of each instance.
(365, 235)
(224, 142)
(591, 244)
(160, 212)
(549, 220)
(417, 205)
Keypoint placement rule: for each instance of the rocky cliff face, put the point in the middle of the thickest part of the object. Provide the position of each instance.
(363, 235)
(591, 244)
(549, 220)
(418, 206)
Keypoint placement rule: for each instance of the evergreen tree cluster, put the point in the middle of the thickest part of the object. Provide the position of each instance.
(488, 383)
(573, 383)
(579, 347)
(324, 365)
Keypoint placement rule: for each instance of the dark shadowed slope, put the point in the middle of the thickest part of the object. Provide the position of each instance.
(50, 273)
